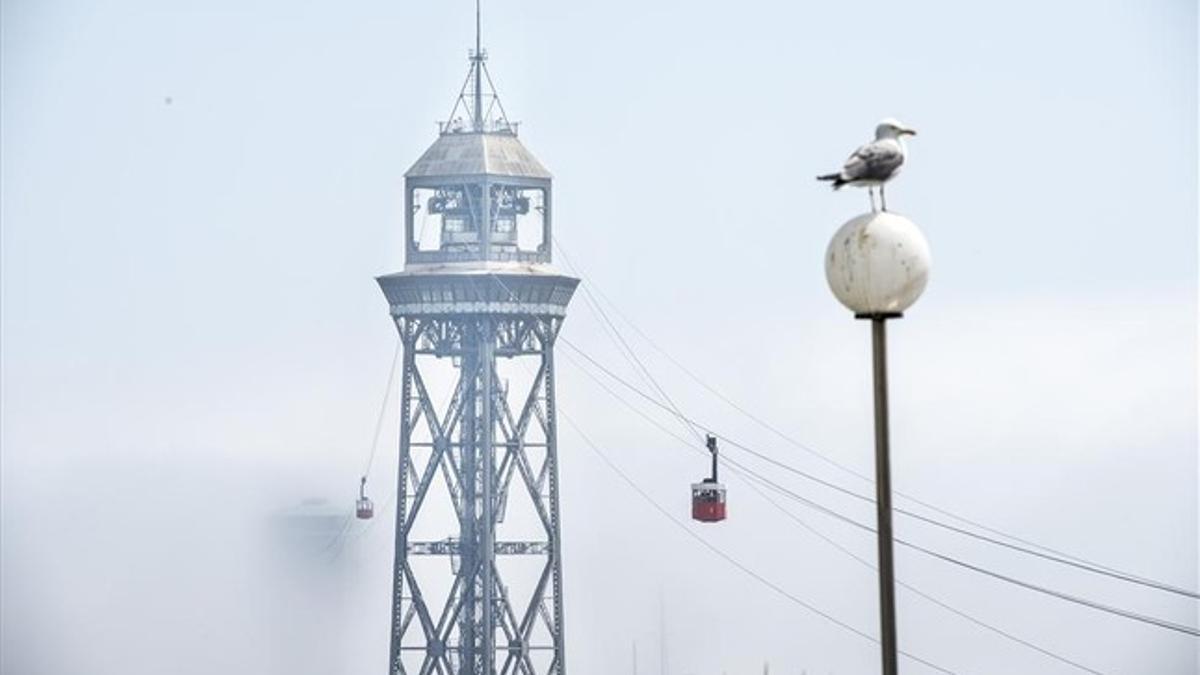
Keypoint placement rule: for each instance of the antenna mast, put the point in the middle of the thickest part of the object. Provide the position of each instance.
(478, 59)
(484, 119)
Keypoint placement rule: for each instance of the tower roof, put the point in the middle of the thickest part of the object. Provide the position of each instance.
(470, 153)
(486, 142)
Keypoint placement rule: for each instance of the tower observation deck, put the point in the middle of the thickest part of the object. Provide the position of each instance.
(477, 574)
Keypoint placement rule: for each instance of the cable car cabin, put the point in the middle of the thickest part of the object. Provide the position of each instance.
(708, 501)
(364, 508)
(708, 496)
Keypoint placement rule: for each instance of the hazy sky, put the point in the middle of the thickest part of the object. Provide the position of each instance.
(196, 197)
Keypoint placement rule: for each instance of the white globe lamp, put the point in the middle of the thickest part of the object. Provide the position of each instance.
(877, 264)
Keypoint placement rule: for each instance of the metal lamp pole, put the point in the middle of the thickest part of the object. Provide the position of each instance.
(883, 494)
(877, 266)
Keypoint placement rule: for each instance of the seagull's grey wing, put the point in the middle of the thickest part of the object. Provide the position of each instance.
(876, 161)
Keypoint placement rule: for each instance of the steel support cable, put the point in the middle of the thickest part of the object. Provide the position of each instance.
(1059, 559)
(1062, 556)
(748, 571)
(386, 505)
(340, 538)
(749, 476)
(712, 548)
(387, 397)
(945, 558)
(1188, 630)
(630, 355)
(975, 535)
(624, 346)
(625, 349)
(949, 559)
(909, 587)
(1117, 611)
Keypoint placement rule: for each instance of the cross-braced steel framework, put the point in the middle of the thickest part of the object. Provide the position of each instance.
(486, 448)
(477, 576)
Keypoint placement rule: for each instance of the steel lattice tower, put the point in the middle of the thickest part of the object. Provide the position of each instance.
(479, 305)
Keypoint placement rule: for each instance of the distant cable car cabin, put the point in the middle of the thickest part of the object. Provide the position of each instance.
(708, 496)
(364, 507)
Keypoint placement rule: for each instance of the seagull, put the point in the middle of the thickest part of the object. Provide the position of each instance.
(875, 163)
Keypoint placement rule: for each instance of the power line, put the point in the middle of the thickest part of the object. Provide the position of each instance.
(1180, 628)
(339, 539)
(595, 305)
(714, 549)
(949, 559)
(691, 425)
(1030, 586)
(725, 556)
(631, 356)
(394, 492)
(1085, 566)
(749, 476)
(1117, 611)
(909, 587)
(1054, 555)
(975, 535)
(387, 396)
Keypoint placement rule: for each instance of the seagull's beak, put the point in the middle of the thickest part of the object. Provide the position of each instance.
(908, 132)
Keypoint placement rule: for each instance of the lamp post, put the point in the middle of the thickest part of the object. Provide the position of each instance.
(877, 266)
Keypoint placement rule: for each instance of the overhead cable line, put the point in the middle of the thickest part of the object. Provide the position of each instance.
(393, 493)
(632, 357)
(1117, 611)
(1056, 555)
(728, 558)
(711, 547)
(387, 396)
(1028, 585)
(909, 587)
(750, 477)
(1188, 630)
(339, 539)
(1085, 566)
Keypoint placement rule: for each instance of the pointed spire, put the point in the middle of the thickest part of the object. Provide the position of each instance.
(483, 108)
(477, 64)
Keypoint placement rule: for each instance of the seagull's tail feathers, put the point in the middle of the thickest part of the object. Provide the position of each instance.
(835, 178)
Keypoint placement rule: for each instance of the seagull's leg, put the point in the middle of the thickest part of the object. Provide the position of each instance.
(882, 197)
(871, 194)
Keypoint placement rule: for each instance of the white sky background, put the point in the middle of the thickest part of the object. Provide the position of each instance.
(191, 332)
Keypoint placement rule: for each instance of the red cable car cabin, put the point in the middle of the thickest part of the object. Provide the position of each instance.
(708, 501)
(708, 496)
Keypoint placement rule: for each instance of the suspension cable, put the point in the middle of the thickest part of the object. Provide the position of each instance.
(945, 558)
(745, 569)
(749, 477)
(1028, 545)
(1085, 566)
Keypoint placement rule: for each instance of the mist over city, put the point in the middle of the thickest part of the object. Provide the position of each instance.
(534, 337)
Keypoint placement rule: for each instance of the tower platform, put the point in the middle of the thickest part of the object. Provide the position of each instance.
(478, 288)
